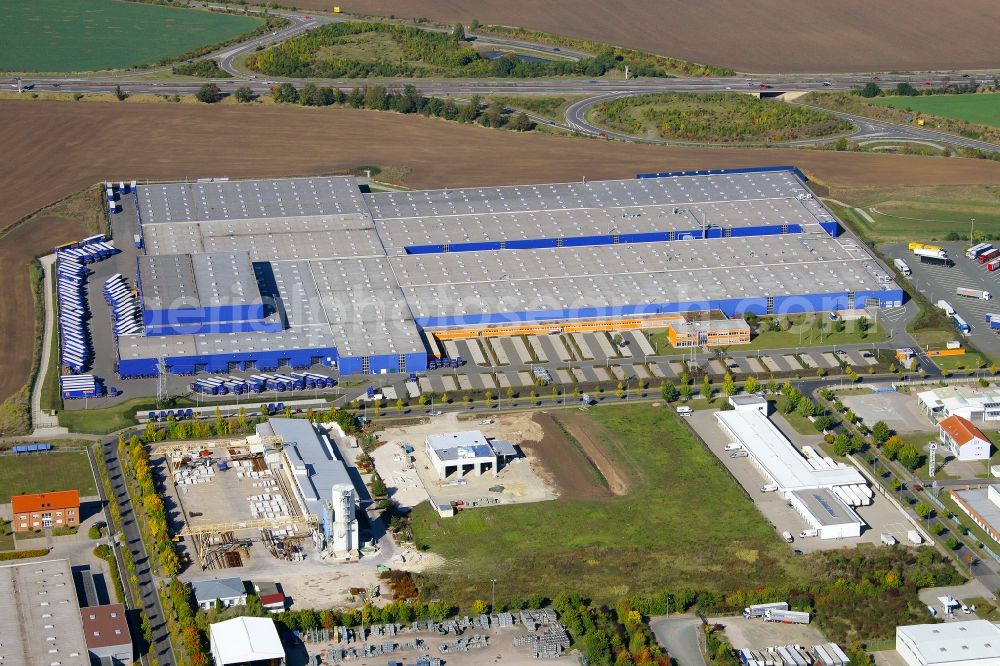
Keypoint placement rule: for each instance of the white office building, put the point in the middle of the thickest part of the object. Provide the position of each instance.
(972, 403)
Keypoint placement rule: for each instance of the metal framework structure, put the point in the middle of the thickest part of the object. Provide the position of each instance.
(280, 522)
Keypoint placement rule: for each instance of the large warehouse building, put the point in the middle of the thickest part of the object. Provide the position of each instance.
(973, 643)
(261, 274)
(821, 490)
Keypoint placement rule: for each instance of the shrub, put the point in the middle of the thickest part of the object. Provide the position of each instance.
(22, 554)
(208, 93)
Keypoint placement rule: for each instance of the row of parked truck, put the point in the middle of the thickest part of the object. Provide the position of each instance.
(985, 254)
(294, 381)
(776, 612)
(438, 363)
(827, 654)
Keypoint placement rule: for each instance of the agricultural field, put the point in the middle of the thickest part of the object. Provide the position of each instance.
(763, 36)
(931, 213)
(674, 517)
(89, 35)
(46, 472)
(981, 109)
(714, 118)
(170, 141)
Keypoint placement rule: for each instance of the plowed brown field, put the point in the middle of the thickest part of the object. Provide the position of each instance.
(52, 149)
(748, 35)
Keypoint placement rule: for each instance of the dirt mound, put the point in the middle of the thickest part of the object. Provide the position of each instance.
(758, 36)
(579, 469)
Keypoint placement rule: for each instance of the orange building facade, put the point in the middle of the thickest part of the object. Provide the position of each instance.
(43, 510)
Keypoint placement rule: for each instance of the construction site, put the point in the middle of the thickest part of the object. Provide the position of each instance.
(282, 493)
(409, 466)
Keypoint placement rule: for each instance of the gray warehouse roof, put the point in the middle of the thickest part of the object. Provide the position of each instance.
(42, 624)
(344, 280)
(197, 280)
(218, 588)
(826, 508)
(248, 199)
(316, 469)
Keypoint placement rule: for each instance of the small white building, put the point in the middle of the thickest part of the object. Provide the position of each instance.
(973, 643)
(227, 591)
(246, 640)
(462, 452)
(963, 439)
(751, 402)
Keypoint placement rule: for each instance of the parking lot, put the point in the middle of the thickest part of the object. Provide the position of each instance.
(899, 411)
(880, 516)
(937, 282)
(755, 634)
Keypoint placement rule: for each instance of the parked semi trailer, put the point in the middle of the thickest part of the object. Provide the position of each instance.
(989, 255)
(973, 293)
(932, 253)
(978, 250)
(786, 616)
(902, 267)
(758, 610)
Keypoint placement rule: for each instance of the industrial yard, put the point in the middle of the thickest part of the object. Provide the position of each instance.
(411, 477)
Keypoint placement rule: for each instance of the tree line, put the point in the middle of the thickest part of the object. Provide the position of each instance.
(407, 100)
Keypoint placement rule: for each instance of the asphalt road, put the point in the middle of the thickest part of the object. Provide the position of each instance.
(131, 539)
(599, 90)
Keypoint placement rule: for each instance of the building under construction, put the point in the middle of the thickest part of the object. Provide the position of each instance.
(262, 274)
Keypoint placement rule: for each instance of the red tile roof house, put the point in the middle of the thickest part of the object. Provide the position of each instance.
(963, 439)
(41, 510)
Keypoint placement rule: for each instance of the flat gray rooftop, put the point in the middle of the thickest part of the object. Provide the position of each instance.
(320, 471)
(248, 199)
(634, 274)
(826, 508)
(210, 279)
(981, 504)
(42, 623)
(630, 193)
(345, 281)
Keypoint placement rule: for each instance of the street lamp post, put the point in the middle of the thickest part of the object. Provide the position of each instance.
(972, 227)
(493, 594)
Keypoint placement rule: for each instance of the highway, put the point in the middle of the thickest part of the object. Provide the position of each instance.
(595, 90)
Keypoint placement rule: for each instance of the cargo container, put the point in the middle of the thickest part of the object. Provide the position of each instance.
(758, 610)
(988, 256)
(901, 267)
(968, 292)
(786, 617)
(946, 306)
(993, 265)
(978, 250)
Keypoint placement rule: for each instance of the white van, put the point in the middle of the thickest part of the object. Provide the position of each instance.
(769, 488)
(733, 447)
(787, 536)
(685, 411)
(808, 533)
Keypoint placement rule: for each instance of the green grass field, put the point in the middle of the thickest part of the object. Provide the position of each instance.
(683, 522)
(87, 35)
(45, 472)
(981, 109)
(920, 213)
(103, 421)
